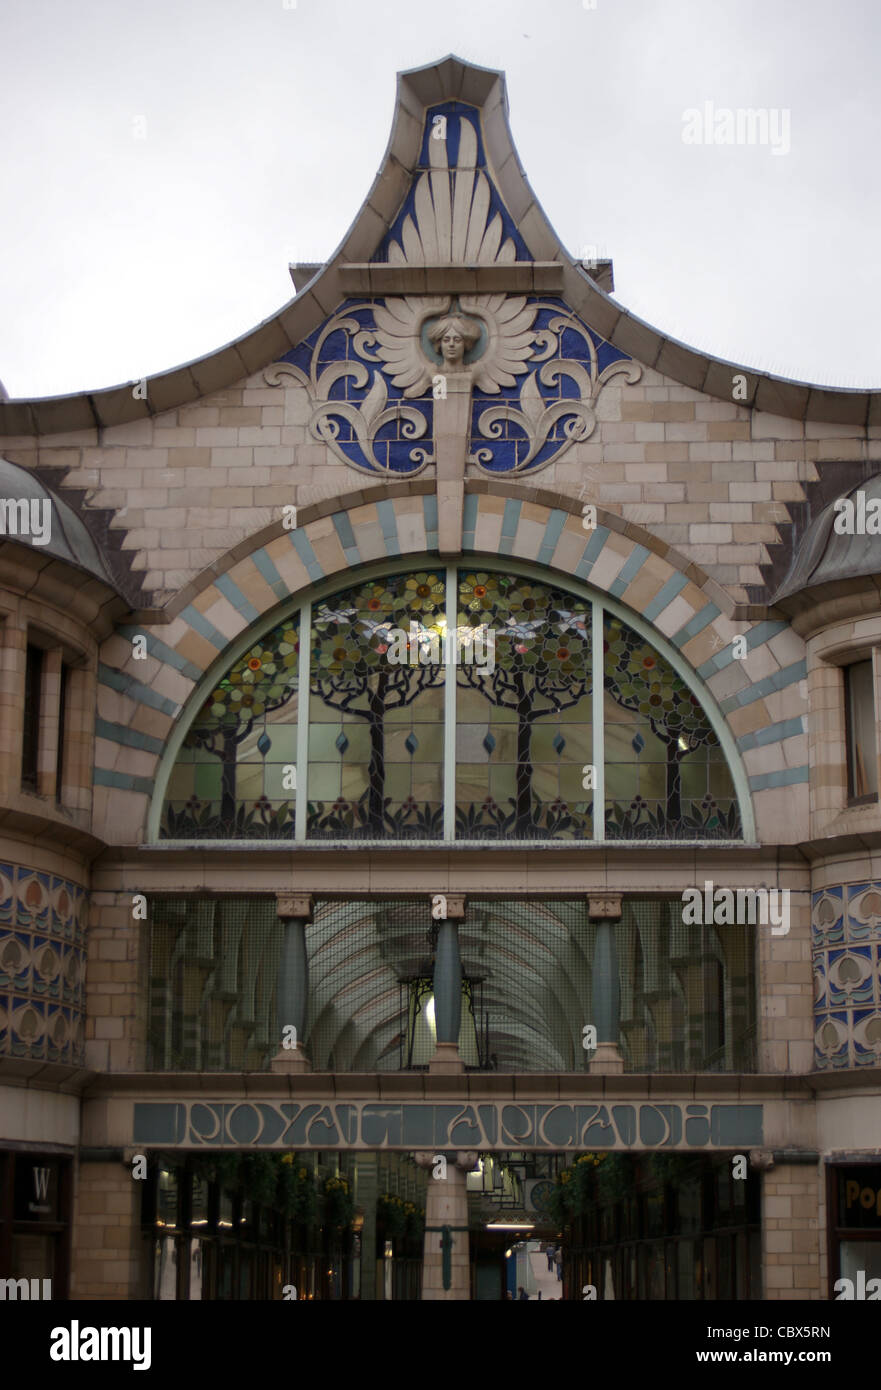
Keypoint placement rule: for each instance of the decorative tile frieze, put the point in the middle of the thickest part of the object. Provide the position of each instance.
(42, 965)
(846, 944)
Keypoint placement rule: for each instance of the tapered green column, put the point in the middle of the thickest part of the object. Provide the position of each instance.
(605, 989)
(294, 911)
(447, 909)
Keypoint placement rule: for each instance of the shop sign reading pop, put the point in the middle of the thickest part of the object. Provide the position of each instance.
(868, 1198)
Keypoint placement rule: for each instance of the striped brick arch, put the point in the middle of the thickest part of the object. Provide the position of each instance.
(140, 701)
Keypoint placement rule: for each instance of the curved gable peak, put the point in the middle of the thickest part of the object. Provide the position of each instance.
(492, 239)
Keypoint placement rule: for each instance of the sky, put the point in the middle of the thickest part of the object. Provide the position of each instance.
(163, 163)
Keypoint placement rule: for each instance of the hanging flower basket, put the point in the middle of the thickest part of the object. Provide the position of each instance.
(593, 1178)
(339, 1204)
(614, 1179)
(224, 1169)
(391, 1211)
(259, 1178)
(669, 1169)
(297, 1197)
(415, 1221)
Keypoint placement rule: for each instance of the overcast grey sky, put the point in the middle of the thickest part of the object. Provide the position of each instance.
(265, 124)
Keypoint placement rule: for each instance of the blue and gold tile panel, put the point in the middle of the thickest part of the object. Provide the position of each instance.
(42, 966)
(846, 948)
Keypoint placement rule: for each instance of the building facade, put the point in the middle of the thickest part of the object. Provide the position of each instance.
(439, 783)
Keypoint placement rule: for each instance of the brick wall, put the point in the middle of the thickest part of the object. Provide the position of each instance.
(792, 1232)
(108, 1254)
(708, 476)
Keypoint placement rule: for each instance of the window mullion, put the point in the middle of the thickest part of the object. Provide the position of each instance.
(599, 764)
(452, 605)
(303, 665)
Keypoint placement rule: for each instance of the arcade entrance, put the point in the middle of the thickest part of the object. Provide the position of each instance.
(353, 1226)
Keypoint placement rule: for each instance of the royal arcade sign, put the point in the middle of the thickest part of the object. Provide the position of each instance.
(408, 1125)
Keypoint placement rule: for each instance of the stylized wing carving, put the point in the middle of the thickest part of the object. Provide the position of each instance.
(399, 337)
(509, 321)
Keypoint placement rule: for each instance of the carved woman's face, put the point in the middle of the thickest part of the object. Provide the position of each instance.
(452, 347)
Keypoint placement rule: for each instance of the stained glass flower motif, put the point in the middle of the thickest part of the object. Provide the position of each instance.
(425, 593)
(259, 680)
(638, 678)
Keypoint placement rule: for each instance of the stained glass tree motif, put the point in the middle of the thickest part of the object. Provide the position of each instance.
(261, 682)
(639, 680)
(524, 724)
(542, 667)
(358, 667)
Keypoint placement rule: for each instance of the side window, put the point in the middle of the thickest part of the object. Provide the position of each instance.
(31, 740)
(859, 699)
(63, 701)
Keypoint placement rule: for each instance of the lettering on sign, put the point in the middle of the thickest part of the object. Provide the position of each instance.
(422, 1125)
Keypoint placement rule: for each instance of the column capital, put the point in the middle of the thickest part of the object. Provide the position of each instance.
(448, 907)
(292, 905)
(464, 1159)
(604, 907)
(762, 1160)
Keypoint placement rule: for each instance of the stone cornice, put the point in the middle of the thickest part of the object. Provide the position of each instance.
(516, 1087)
(45, 1076)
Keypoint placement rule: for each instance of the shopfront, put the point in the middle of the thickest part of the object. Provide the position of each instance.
(35, 1204)
(669, 1229)
(237, 1229)
(854, 1196)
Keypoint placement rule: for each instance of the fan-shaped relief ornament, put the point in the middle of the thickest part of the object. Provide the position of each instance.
(382, 374)
(487, 336)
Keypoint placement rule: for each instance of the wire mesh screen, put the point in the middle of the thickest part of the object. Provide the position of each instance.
(680, 997)
(213, 980)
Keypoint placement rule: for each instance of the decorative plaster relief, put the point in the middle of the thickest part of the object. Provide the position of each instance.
(367, 362)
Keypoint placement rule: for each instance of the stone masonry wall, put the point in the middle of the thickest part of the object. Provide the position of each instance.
(107, 1243)
(793, 1232)
(710, 477)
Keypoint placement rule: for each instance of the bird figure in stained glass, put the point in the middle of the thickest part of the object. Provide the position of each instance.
(522, 630)
(335, 615)
(371, 628)
(570, 621)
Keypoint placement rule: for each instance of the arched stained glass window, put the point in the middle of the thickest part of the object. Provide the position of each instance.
(229, 780)
(454, 704)
(665, 766)
(376, 716)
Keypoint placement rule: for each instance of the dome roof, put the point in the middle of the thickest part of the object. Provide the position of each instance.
(68, 538)
(825, 555)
